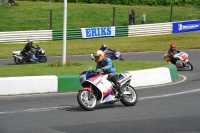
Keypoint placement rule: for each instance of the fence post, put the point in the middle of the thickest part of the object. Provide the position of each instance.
(113, 24)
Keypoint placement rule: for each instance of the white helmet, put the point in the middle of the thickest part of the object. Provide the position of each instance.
(104, 46)
(30, 41)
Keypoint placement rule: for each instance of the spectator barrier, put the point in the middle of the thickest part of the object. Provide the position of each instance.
(150, 29)
(22, 36)
(109, 31)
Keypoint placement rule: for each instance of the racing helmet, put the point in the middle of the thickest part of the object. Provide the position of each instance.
(172, 46)
(30, 41)
(98, 56)
(104, 46)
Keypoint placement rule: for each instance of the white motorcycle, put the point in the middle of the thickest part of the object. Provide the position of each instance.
(98, 90)
(20, 58)
(182, 61)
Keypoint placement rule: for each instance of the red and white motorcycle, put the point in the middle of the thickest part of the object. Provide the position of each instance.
(98, 90)
(182, 60)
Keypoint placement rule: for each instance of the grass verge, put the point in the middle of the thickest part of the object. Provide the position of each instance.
(36, 15)
(122, 44)
(45, 69)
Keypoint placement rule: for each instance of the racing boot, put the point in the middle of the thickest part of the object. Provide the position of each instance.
(120, 92)
(31, 59)
(34, 59)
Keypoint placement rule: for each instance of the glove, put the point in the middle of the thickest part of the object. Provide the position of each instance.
(103, 68)
(98, 70)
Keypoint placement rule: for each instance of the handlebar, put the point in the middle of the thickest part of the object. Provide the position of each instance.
(96, 72)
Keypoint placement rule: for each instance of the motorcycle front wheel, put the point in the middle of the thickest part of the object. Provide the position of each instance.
(189, 66)
(87, 100)
(129, 97)
(43, 59)
(18, 61)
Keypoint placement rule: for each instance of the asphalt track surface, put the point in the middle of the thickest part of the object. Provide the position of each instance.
(172, 108)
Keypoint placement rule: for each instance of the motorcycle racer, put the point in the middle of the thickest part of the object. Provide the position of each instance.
(104, 48)
(173, 50)
(28, 50)
(105, 64)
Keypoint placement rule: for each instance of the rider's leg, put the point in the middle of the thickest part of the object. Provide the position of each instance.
(113, 78)
(32, 56)
(28, 54)
(172, 59)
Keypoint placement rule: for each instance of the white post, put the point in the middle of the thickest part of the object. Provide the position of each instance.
(64, 32)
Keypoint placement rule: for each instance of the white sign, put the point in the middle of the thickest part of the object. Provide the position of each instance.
(97, 32)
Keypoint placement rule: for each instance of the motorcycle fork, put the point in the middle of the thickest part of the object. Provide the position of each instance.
(90, 94)
(185, 63)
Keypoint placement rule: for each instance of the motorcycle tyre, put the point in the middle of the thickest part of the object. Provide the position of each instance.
(81, 103)
(43, 59)
(18, 61)
(191, 66)
(124, 101)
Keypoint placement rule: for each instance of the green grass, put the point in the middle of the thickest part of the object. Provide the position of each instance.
(44, 69)
(122, 44)
(36, 15)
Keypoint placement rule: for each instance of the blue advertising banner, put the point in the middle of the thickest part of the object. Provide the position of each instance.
(186, 26)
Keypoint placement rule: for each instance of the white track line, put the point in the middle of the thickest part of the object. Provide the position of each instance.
(64, 107)
(168, 95)
(35, 110)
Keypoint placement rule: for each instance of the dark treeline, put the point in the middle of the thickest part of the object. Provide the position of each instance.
(131, 2)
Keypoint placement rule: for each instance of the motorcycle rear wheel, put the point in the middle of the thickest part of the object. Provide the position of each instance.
(130, 98)
(84, 101)
(18, 61)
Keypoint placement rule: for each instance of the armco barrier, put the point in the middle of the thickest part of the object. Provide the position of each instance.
(66, 83)
(129, 31)
(22, 36)
(150, 29)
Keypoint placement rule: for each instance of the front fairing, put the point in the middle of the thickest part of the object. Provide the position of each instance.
(91, 77)
(182, 56)
(86, 74)
(40, 52)
(113, 54)
(117, 54)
